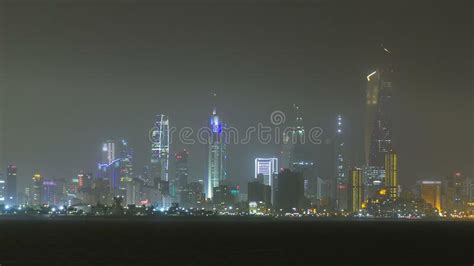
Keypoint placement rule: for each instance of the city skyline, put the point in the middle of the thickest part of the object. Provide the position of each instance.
(54, 152)
(236, 132)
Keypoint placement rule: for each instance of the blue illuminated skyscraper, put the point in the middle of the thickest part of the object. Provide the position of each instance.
(109, 167)
(217, 154)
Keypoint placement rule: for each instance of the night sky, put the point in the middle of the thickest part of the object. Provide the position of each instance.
(78, 73)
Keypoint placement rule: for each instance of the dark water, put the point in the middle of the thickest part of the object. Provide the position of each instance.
(228, 242)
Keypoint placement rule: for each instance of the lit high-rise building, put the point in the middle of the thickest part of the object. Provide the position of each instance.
(11, 195)
(374, 178)
(356, 189)
(182, 172)
(430, 192)
(391, 174)
(296, 155)
(3, 190)
(109, 167)
(378, 128)
(51, 195)
(108, 152)
(340, 182)
(217, 155)
(37, 190)
(456, 192)
(125, 154)
(268, 168)
(160, 150)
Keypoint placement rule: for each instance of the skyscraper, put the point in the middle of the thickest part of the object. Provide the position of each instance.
(37, 190)
(391, 174)
(109, 167)
(11, 185)
(268, 168)
(182, 171)
(259, 192)
(3, 190)
(296, 156)
(108, 151)
(456, 192)
(356, 189)
(378, 128)
(290, 193)
(125, 154)
(160, 150)
(340, 182)
(217, 154)
(430, 192)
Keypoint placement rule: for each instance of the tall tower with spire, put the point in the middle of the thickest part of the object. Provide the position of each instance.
(340, 184)
(378, 128)
(295, 155)
(160, 150)
(217, 154)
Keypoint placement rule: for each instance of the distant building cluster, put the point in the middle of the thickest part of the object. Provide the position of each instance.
(286, 184)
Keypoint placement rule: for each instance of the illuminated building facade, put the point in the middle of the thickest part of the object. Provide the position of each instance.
(456, 192)
(3, 190)
(110, 172)
(217, 155)
(181, 172)
(430, 192)
(268, 169)
(391, 174)
(37, 190)
(356, 189)
(378, 125)
(109, 167)
(374, 178)
(108, 151)
(12, 185)
(226, 195)
(84, 181)
(160, 150)
(192, 195)
(51, 195)
(340, 181)
(296, 155)
(126, 159)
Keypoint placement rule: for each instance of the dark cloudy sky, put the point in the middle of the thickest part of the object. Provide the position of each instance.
(80, 72)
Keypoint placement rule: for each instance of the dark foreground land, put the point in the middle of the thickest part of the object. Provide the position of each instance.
(220, 241)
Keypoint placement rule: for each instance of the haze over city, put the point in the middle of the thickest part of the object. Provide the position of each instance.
(77, 74)
(236, 132)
